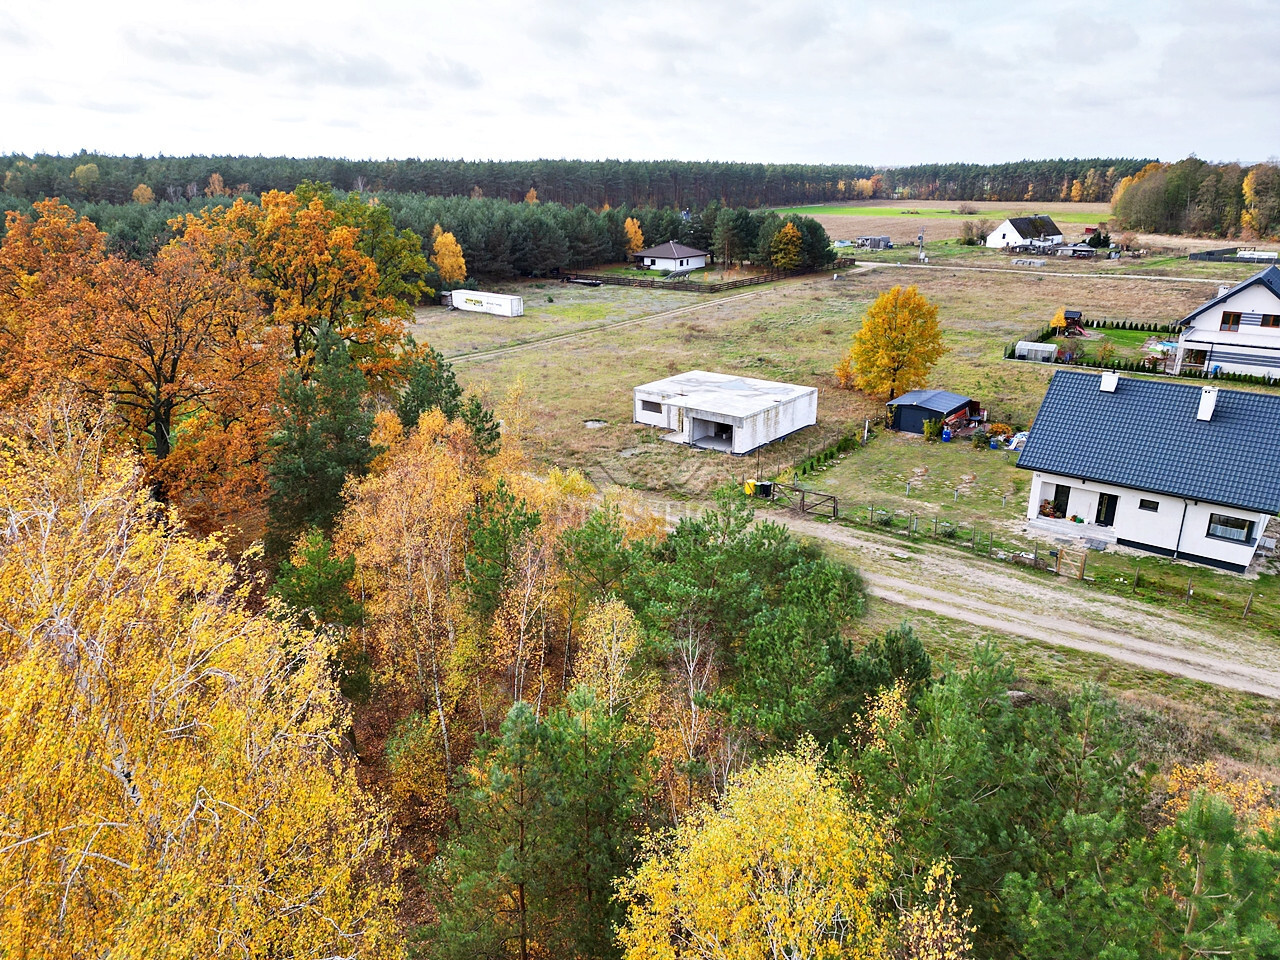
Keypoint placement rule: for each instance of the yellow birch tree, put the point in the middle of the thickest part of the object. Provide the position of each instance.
(448, 259)
(784, 251)
(175, 783)
(635, 236)
(783, 867)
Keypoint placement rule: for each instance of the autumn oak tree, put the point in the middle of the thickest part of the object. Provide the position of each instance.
(896, 346)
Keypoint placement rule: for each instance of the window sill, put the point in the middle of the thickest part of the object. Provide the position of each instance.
(1238, 543)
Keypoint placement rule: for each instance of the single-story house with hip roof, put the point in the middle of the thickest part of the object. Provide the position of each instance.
(718, 411)
(910, 411)
(1176, 469)
(671, 256)
(1021, 231)
(1238, 331)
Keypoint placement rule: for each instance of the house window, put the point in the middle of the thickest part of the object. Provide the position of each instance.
(1222, 527)
(650, 406)
(1271, 320)
(1230, 320)
(1150, 505)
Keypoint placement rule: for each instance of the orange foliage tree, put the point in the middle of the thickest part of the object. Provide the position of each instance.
(312, 265)
(177, 346)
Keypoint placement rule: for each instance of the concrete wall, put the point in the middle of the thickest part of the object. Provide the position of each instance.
(776, 421)
(749, 432)
(1166, 529)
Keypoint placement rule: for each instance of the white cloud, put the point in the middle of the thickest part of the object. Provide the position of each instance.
(807, 81)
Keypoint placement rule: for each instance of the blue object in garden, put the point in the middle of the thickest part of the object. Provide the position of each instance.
(946, 434)
(994, 444)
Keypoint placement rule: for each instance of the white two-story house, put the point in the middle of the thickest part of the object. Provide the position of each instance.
(1182, 470)
(1237, 331)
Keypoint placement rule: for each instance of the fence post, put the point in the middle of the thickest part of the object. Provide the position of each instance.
(935, 525)
(973, 540)
(1084, 555)
(1247, 604)
(1190, 590)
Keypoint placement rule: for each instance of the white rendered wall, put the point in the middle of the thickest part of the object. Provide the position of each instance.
(666, 263)
(1207, 329)
(1011, 236)
(1154, 529)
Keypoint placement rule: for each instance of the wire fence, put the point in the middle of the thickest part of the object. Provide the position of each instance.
(1114, 573)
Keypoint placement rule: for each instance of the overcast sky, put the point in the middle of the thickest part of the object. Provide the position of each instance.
(823, 81)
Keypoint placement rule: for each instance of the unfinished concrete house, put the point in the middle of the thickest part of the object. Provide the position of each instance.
(717, 411)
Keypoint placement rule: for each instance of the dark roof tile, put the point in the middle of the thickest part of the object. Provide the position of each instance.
(670, 250)
(1269, 278)
(1145, 436)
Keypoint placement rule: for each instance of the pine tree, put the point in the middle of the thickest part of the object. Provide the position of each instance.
(322, 440)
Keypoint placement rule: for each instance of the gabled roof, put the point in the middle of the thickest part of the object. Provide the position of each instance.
(940, 401)
(1146, 436)
(671, 251)
(1029, 228)
(1269, 278)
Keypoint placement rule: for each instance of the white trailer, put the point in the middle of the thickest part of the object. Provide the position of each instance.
(499, 304)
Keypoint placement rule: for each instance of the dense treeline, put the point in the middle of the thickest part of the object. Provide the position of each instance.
(293, 631)
(500, 238)
(1192, 196)
(634, 183)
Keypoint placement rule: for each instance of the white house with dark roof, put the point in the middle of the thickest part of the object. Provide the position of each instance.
(1037, 230)
(1238, 331)
(1176, 469)
(718, 411)
(671, 256)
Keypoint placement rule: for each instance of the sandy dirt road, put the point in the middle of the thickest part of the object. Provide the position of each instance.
(1018, 604)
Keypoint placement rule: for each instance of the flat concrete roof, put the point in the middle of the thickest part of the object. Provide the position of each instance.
(722, 392)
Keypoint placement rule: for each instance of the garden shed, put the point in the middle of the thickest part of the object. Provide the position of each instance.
(910, 411)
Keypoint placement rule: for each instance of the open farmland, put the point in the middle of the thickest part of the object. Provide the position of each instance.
(794, 331)
(901, 220)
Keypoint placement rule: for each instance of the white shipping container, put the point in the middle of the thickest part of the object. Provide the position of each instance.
(499, 304)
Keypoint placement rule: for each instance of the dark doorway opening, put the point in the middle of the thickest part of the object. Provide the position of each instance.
(1061, 494)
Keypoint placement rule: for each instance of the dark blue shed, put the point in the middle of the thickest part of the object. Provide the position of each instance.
(910, 411)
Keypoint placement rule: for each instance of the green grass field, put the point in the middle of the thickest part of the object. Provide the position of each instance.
(1089, 217)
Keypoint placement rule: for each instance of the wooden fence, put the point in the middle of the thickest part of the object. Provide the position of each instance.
(806, 501)
(692, 286)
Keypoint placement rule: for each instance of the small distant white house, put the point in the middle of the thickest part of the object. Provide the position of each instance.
(1171, 468)
(718, 411)
(1031, 231)
(1238, 331)
(671, 256)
